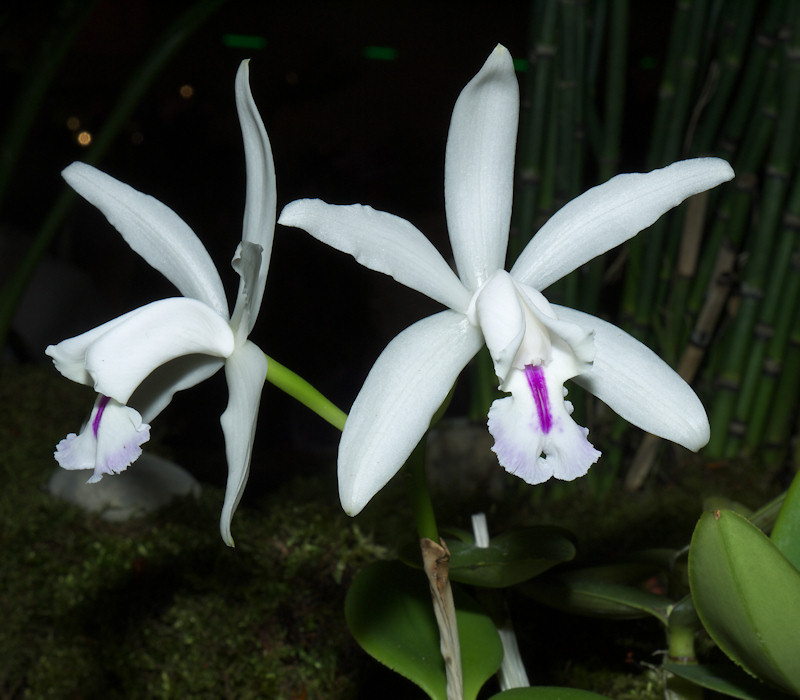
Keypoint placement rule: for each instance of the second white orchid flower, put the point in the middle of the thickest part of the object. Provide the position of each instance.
(143, 357)
(535, 346)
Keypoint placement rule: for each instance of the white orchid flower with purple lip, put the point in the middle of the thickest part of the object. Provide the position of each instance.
(535, 346)
(138, 361)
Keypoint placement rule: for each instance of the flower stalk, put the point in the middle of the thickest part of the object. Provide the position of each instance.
(298, 388)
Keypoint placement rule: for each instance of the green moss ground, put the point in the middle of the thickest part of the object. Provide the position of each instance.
(160, 608)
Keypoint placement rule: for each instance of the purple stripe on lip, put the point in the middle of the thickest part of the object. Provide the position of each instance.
(535, 376)
(100, 408)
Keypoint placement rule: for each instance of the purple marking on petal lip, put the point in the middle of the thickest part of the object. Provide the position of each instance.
(535, 376)
(100, 408)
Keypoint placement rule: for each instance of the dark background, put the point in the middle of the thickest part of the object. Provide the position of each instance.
(343, 127)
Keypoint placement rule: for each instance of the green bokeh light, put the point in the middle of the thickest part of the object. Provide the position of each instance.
(244, 41)
(380, 53)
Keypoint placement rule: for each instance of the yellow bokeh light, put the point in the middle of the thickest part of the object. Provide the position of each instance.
(84, 138)
(73, 123)
(186, 91)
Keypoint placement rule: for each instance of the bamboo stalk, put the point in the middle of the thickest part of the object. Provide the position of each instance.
(570, 121)
(658, 255)
(609, 140)
(536, 89)
(772, 371)
(775, 444)
(741, 342)
(639, 286)
(691, 359)
(735, 32)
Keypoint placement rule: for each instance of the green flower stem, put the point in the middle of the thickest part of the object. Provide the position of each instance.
(298, 388)
(420, 495)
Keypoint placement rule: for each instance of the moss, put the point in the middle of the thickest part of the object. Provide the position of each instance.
(160, 608)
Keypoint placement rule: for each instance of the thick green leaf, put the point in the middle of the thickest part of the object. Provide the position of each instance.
(727, 679)
(510, 558)
(581, 592)
(390, 614)
(786, 533)
(747, 595)
(547, 693)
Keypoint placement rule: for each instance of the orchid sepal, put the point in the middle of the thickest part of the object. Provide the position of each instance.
(246, 371)
(393, 410)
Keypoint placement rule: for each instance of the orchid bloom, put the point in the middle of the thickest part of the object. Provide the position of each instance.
(535, 346)
(143, 357)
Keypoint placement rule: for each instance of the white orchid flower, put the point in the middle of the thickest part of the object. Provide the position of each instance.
(143, 357)
(535, 345)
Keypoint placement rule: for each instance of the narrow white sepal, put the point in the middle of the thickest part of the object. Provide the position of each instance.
(246, 371)
(155, 393)
(261, 197)
(609, 214)
(479, 169)
(153, 231)
(405, 387)
(639, 386)
(382, 242)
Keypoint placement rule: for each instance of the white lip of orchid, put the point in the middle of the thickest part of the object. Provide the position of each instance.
(149, 354)
(414, 373)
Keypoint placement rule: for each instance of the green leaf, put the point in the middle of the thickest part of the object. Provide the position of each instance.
(510, 558)
(725, 678)
(547, 693)
(583, 593)
(390, 614)
(786, 533)
(747, 595)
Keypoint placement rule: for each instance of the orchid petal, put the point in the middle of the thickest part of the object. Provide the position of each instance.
(403, 390)
(155, 393)
(534, 421)
(245, 371)
(119, 359)
(609, 214)
(109, 442)
(639, 385)
(381, 242)
(261, 198)
(479, 169)
(154, 231)
(69, 356)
